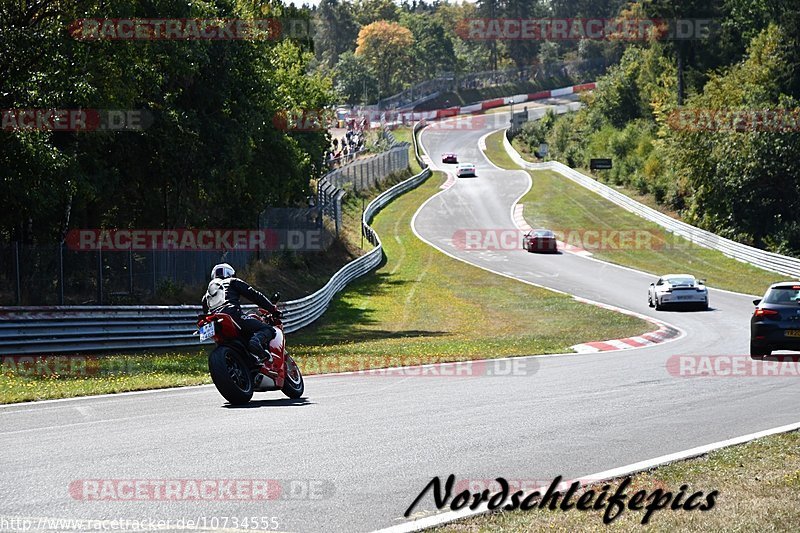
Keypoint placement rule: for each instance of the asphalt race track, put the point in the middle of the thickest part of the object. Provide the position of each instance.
(355, 453)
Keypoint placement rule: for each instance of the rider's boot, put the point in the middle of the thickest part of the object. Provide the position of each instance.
(258, 341)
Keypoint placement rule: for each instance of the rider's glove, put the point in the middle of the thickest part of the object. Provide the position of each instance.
(276, 313)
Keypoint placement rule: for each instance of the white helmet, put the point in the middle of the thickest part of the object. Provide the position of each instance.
(222, 270)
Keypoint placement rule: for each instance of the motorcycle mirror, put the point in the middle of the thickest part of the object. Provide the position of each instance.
(276, 297)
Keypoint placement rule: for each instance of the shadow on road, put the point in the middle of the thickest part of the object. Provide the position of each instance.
(274, 402)
(686, 309)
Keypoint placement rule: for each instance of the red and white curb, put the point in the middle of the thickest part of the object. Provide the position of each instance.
(479, 107)
(451, 180)
(664, 333)
(523, 225)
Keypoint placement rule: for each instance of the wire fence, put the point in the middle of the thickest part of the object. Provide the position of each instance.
(37, 330)
(359, 175)
(69, 274)
(56, 274)
(365, 173)
(116, 271)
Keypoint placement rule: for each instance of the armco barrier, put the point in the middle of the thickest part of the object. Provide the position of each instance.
(788, 266)
(480, 107)
(47, 330)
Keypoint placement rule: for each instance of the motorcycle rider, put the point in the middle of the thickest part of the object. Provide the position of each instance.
(223, 295)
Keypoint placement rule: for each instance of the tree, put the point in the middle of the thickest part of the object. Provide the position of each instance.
(211, 136)
(355, 81)
(386, 49)
(369, 11)
(548, 54)
(745, 184)
(490, 9)
(432, 51)
(616, 98)
(336, 30)
(523, 51)
(471, 56)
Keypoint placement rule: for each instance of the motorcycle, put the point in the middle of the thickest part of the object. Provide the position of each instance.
(235, 372)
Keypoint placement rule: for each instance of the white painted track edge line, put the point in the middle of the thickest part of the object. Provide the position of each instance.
(660, 323)
(529, 169)
(633, 468)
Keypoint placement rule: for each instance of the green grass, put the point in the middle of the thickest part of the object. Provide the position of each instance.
(557, 203)
(424, 305)
(403, 134)
(419, 306)
(65, 376)
(758, 484)
(497, 153)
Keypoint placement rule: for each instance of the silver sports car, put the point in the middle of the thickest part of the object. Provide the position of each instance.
(677, 289)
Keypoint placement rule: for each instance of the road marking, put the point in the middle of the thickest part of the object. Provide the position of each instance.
(62, 426)
(522, 225)
(451, 180)
(6, 409)
(680, 333)
(629, 268)
(623, 471)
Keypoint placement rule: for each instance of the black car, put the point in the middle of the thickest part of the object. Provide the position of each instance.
(776, 321)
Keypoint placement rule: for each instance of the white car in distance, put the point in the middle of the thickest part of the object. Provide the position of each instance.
(677, 290)
(465, 169)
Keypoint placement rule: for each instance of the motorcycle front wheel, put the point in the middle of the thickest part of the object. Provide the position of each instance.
(293, 385)
(230, 375)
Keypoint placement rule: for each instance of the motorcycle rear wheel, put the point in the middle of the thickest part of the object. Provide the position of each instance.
(230, 375)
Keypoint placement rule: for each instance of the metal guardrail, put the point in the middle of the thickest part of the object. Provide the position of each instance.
(788, 266)
(72, 329)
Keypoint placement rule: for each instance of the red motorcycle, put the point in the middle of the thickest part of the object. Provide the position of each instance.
(235, 372)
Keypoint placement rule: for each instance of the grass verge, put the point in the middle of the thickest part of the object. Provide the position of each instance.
(758, 484)
(419, 306)
(557, 203)
(404, 134)
(424, 306)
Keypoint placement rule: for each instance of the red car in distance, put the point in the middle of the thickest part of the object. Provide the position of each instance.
(540, 240)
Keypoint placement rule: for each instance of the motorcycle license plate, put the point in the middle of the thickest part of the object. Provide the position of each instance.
(206, 331)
